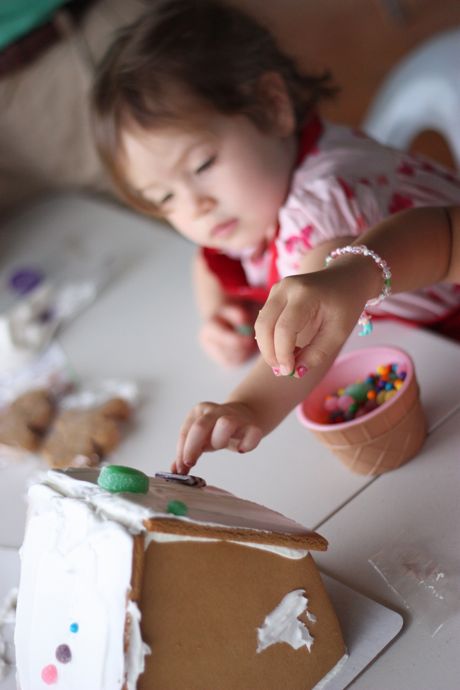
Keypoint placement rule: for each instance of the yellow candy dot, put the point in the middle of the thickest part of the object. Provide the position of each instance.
(381, 398)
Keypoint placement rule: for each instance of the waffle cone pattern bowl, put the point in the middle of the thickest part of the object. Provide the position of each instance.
(380, 440)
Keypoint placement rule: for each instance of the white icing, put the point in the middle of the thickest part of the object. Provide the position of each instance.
(13, 357)
(76, 567)
(137, 649)
(284, 551)
(7, 616)
(332, 673)
(311, 617)
(282, 624)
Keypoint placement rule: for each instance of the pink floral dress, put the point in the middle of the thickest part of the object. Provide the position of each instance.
(345, 183)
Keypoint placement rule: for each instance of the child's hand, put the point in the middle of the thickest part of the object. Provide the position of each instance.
(308, 317)
(210, 426)
(228, 336)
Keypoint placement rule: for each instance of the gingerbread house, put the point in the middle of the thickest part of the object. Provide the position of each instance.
(183, 587)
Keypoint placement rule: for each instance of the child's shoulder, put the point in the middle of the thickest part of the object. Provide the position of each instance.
(338, 154)
(341, 144)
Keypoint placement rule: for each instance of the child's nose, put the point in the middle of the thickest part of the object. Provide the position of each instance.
(202, 203)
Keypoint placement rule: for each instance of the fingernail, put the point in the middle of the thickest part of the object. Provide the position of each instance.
(285, 371)
(276, 371)
(301, 371)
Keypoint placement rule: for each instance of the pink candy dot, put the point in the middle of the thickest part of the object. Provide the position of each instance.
(331, 403)
(345, 401)
(49, 674)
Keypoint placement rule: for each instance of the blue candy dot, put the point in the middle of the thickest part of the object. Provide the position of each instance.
(74, 627)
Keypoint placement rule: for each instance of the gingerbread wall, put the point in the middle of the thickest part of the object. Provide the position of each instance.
(201, 605)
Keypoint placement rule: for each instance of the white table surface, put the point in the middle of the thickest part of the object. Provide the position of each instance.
(143, 327)
(417, 503)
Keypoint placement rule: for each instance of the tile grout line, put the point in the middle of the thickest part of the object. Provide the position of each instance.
(348, 500)
(435, 426)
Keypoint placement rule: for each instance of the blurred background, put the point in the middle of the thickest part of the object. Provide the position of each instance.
(396, 63)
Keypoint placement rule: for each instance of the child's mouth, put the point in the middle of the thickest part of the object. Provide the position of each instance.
(223, 230)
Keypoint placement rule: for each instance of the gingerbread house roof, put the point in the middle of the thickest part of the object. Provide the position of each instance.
(209, 512)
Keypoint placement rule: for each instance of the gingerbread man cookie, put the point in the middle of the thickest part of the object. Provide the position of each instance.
(25, 421)
(82, 437)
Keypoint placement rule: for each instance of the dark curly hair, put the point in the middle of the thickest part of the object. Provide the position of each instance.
(206, 49)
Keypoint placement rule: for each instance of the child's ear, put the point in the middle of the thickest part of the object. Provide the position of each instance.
(273, 91)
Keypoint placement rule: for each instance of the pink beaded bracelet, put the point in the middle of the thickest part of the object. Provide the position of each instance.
(365, 320)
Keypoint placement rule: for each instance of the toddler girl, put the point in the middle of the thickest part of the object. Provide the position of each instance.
(201, 119)
(315, 312)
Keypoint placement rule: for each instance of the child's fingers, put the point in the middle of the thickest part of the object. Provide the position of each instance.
(224, 429)
(198, 436)
(324, 345)
(251, 438)
(296, 327)
(224, 344)
(264, 328)
(234, 434)
(284, 340)
(196, 412)
(236, 316)
(229, 355)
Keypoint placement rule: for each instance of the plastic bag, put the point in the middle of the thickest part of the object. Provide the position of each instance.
(428, 586)
(40, 295)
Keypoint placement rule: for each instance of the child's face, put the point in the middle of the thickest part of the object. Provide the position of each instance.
(221, 186)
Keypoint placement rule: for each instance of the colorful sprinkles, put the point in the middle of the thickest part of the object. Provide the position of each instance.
(362, 397)
(63, 654)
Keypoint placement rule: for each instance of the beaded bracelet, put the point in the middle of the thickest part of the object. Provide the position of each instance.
(365, 320)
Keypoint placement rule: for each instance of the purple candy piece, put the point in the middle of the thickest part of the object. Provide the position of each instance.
(25, 280)
(63, 653)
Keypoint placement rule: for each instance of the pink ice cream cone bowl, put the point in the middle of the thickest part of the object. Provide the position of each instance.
(380, 440)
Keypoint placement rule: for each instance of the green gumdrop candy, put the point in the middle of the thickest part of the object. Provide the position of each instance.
(177, 508)
(358, 391)
(119, 479)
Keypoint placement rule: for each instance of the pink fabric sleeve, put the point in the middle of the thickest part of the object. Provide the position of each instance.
(321, 210)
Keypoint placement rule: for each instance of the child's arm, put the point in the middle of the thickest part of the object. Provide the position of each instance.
(254, 408)
(227, 333)
(316, 312)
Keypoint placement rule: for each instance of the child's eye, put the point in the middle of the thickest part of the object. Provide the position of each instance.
(165, 199)
(207, 164)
